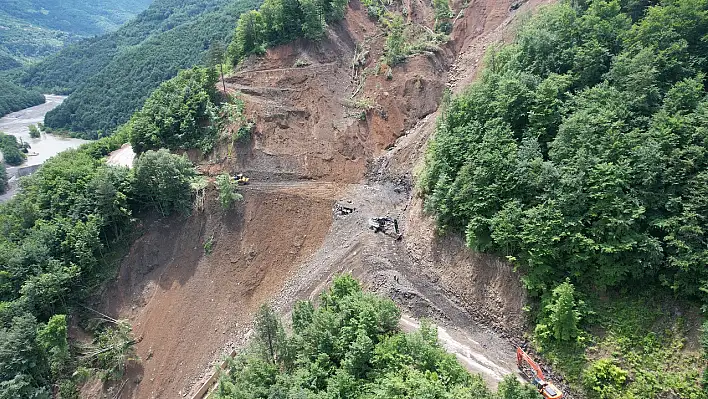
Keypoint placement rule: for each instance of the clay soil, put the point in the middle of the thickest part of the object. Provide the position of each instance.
(190, 285)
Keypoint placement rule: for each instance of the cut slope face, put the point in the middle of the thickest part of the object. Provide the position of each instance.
(315, 145)
(326, 118)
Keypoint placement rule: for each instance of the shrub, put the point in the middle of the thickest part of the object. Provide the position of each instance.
(227, 191)
(33, 131)
(560, 315)
(395, 51)
(604, 379)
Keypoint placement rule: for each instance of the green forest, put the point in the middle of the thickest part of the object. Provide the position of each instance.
(111, 76)
(34, 29)
(62, 236)
(349, 346)
(13, 151)
(60, 239)
(580, 155)
(181, 114)
(582, 151)
(281, 21)
(14, 98)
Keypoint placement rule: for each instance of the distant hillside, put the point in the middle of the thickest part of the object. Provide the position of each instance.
(109, 77)
(68, 69)
(14, 98)
(33, 29)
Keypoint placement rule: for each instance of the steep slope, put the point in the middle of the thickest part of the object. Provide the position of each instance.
(32, 29)
(14, 98)
(323, 136)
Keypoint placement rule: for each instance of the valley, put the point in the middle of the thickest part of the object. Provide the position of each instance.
(42, 148)
(524, 175)
(286, 242)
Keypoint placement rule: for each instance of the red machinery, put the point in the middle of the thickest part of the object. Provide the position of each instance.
(533, 372)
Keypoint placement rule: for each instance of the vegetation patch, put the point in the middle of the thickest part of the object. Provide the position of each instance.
(14, 98)
(61, 238)
(349, 346)
(580, 155)
(3, 178)
(282, 21)
(181, 114)
(404, 40)
(635, 351)
(14, 152)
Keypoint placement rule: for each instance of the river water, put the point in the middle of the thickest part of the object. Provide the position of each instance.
(44, 147)
(47, 145)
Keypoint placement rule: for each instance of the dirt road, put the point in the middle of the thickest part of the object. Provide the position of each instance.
(124, 156)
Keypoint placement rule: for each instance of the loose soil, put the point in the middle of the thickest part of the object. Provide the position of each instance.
(190, 285)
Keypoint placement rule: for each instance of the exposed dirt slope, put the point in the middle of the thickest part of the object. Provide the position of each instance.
(313, 146)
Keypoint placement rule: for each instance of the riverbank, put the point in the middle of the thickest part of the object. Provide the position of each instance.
(45, 146)
(42, 148)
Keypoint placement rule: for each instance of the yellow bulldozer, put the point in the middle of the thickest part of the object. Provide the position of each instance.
(240, 179)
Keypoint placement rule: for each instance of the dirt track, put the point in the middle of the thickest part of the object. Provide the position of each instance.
(191, 305)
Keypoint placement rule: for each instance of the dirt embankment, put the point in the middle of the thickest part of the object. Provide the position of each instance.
(323, 135)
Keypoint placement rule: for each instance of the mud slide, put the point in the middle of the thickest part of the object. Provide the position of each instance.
(190, 286)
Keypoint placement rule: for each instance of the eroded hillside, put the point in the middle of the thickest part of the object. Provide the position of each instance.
(331, 129)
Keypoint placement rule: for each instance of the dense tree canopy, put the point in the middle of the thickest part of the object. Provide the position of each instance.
(281, 21)
(54, 238)
(36, 28)
(180, 114)
(13, 150)
(162, 181)
(14, 98)
(582, 151)
(111, 76)
(350, 347)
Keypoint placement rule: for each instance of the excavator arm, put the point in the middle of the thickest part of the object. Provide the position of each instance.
(533, 372)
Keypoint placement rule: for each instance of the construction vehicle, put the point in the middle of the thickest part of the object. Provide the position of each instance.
(384, 225)
(533, 373)
(240, 179)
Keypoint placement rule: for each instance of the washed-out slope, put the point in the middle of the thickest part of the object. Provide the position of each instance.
(311, 149)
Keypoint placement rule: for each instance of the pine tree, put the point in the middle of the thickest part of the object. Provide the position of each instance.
(563, 314)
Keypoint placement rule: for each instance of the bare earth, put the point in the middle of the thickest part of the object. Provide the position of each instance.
(310, 151)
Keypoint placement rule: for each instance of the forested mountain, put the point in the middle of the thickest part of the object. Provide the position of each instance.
(111, 76)
(32, 29)
(14, 98)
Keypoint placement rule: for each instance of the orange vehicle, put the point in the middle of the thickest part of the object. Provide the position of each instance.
(533, 372)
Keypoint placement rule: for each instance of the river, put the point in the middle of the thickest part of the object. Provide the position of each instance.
(44, 147)
(47, 145)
